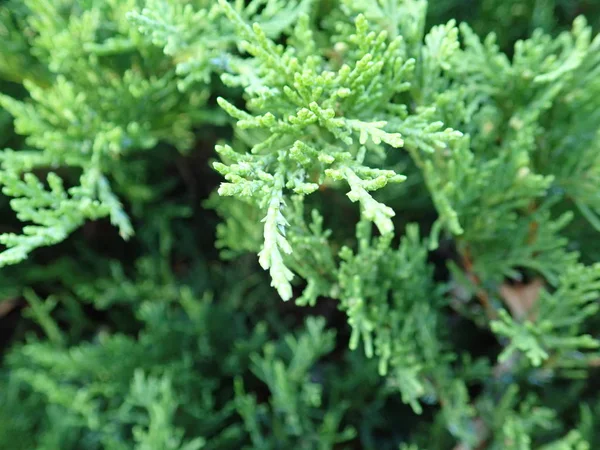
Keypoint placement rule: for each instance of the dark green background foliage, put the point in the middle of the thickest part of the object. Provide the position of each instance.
(300, 224)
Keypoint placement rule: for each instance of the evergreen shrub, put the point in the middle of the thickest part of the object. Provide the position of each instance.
(300, 224)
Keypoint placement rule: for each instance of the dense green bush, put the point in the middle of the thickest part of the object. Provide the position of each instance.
(300, 224)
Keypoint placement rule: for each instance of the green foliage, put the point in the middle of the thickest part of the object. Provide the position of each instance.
(558, 320)
(451, 303)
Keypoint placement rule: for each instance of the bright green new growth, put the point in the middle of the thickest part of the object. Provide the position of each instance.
(331, 125)
(425, 191)
(74, 119)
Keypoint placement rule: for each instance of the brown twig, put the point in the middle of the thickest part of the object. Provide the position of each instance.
(480, 293)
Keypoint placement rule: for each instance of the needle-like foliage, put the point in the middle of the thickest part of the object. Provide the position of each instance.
(417, 181)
